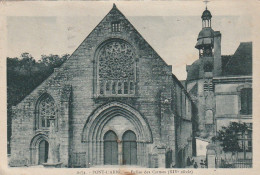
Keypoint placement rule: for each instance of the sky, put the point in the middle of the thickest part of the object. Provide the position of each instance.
(170, 27)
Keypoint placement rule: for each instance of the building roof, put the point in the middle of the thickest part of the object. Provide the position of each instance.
(241, 62)
(225, 59)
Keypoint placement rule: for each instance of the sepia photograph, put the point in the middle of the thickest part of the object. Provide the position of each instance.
(165, 87)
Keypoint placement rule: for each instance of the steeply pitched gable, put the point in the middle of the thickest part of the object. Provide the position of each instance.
(104, 31)
(81, 64)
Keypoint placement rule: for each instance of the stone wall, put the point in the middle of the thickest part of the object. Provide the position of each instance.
(204, 98)
(228, 100)
(24, 127)
(184, 116)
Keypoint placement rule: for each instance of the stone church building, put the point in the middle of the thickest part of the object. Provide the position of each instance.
(113, 102)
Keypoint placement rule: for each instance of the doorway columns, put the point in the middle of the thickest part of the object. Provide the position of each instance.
(120, 152)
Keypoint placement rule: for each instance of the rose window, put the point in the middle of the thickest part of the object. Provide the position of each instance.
(116, 69)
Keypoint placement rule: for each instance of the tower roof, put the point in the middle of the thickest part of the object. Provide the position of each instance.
(205, 37)
(206, 15)
(206, 33)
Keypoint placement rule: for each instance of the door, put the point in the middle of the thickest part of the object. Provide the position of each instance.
(181, 159)
(129, 148)
(110, 148)
(168, 158)
(43, 151)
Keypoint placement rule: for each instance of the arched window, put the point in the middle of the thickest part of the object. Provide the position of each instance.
(209, 117)
(116, 69)
(129, 148)
(46, 111)
(246, 101)
(110, 148)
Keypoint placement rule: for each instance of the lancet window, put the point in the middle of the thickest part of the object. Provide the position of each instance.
(46, 111)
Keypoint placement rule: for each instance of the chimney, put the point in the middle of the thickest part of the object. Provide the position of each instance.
(217, 54)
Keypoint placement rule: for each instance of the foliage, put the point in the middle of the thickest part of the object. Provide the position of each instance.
(229, 136)
(24, 74)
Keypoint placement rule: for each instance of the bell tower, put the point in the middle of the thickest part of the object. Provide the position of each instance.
(206, 18)
(209, 45)
(205, 41)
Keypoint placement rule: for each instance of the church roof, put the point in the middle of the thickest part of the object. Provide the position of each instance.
(194, 90)
(194, 70)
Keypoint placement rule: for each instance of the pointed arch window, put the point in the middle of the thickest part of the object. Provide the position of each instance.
(110, 148)
(129, 148)
(46, 111)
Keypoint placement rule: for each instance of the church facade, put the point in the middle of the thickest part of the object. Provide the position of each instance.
(113, 102)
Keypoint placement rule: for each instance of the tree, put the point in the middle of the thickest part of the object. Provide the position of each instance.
(231, 137)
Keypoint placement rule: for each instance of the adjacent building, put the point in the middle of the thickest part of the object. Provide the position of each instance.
(220, 85)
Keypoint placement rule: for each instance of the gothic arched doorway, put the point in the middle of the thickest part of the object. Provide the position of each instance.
(110, 148)
(39, 149)
(43, 151)
(129, 148)
(117, 118)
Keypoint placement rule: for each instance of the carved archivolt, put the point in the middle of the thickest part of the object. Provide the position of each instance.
(94, 131)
